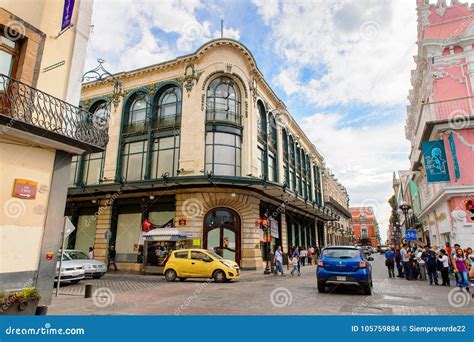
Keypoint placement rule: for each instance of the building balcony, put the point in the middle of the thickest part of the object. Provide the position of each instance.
(33, 115)
(453, 114)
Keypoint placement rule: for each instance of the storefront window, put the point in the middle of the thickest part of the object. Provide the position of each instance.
(223, 154)
(128, 237)
(134, 160)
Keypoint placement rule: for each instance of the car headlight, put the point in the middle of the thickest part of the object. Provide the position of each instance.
(228, 264)
(87, 267)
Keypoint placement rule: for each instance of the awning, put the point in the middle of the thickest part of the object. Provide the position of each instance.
(166, 234)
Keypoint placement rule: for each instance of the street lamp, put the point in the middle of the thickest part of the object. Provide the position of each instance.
(405, 209)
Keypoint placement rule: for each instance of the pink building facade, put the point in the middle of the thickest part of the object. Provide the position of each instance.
(442, 109)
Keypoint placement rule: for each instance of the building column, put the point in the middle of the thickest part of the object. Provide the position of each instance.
(250, 236)
(104, 220)
(284, 230)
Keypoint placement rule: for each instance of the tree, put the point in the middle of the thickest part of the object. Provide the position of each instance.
(394, 215)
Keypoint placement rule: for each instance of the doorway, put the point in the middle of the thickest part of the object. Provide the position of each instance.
(221, 233)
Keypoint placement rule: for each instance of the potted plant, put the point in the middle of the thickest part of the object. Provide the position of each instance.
(21, 302)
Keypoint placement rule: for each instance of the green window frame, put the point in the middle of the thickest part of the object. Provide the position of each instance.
(134, 160)
(168, 108)
(165, 156)
(223, 101)
(223, 154)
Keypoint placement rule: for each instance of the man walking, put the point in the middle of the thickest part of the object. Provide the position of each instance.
(279, 261)
(390, 263)
(398, 262)
(112, 254)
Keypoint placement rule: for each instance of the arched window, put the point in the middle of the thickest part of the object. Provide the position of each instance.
(272, 150)
(261, 141)
(136, 118)
(286, 169)
(223, 101)
(87, 169)
(168, 107)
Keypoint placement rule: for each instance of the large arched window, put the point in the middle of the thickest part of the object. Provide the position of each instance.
(261, 141)
(168, 107)
(223, 101)
(286, 169)
(272, 149)
(292, 164)
(136, 116)
(223, 153)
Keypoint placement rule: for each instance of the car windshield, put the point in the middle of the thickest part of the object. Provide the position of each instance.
(76, 255)
(214, 254)
(341, 253)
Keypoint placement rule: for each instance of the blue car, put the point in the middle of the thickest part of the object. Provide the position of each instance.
(344, 265)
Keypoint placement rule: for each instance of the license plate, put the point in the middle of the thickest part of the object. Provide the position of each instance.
(339, 278)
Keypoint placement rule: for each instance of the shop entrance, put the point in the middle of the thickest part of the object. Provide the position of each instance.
(222, 233)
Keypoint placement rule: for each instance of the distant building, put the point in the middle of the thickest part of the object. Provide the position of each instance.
(338, 232)
(364, 226)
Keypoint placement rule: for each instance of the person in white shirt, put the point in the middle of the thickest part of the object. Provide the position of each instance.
(90, 254)
(421, 264)
(443, 257)
(406, 262)
(279, 261)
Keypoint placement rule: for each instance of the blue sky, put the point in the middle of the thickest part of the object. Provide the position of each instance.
(341, 67)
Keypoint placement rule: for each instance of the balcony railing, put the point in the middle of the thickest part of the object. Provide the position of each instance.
(26, 108)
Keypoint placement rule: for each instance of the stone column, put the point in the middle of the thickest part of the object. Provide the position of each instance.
(284, 230)
(250, 236)
(104, 220)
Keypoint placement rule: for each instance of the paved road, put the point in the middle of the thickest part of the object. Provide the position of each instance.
(256, 294)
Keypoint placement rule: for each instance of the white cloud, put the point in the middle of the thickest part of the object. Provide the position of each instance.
(365, 48)
(127, 34)
(267, 9)
(363, 158)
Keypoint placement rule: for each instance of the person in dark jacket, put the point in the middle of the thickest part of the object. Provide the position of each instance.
(429, 257)
(112, 255)
(398, 262)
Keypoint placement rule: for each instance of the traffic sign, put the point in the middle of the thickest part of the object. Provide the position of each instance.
(410, 235)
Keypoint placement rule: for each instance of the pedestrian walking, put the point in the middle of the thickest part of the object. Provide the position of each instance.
(310, 255)
(295, 261)
(304, 255)
(279, 261)
(90, 254)
(390, 263)
(444, 260)
(421, 264)
(461, 270)
(111, 257)
(405, 255)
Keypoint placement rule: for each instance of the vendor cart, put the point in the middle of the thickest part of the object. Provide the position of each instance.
(158, 244)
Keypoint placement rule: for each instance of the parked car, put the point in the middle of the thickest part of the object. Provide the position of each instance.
(72, 272)
(200, 263)
(366, 249)
(383, 249)
(344, 265)
(92, 268)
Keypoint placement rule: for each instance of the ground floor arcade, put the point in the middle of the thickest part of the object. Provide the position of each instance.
(229, 220)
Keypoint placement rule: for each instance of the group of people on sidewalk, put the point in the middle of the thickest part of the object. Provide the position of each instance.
(297, 257)
(424, 263)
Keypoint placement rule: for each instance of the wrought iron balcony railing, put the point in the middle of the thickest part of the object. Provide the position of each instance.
(27, 108)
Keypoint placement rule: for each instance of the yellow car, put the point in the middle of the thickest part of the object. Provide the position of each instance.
(200, 263)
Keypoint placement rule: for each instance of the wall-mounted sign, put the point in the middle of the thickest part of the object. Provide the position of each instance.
(181, 222)
(67, 14)
(25, 189)
(49, 256)
(274, 228)
(196, 242)
(436, 163)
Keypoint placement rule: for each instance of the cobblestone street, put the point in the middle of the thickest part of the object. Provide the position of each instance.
(256, 294)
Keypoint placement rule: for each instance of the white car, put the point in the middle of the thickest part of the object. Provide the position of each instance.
(92, 268)
(71, 271)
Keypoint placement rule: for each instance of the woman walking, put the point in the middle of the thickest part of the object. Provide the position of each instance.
(461, 270)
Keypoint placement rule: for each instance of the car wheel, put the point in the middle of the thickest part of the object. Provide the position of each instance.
(219, 276)
(368, 288)
(182, 279)
(170, 275)
(75, 281)
(321, 287)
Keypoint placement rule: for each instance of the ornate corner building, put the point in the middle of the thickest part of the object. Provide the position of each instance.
(440, 126)
(365, 226)
(203, 143)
